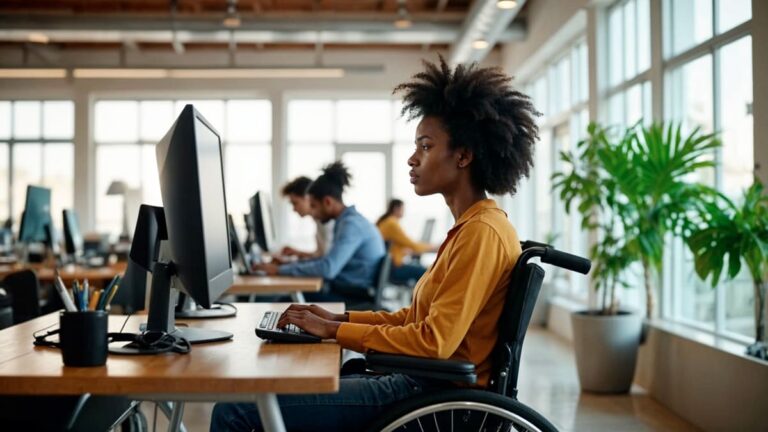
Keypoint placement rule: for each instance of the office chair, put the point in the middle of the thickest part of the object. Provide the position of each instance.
(495, 407)
(374, 293)
(24, 289)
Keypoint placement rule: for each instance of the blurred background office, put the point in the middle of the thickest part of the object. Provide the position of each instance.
(88, 88)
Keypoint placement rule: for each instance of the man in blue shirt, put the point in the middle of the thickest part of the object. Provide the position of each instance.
(351, 263)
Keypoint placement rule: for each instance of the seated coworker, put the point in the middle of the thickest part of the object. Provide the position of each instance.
(350, 264)
(400, 245)
(476, 135)
(296, 192)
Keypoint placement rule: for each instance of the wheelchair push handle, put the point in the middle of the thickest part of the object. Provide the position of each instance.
(550, 255)
(567, 261)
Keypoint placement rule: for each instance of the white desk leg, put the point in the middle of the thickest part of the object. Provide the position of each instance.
(298, 297)
(174, 424)
(269, 411)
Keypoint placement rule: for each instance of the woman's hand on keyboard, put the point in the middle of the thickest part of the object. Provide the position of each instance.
(310, 323)
(317, 310)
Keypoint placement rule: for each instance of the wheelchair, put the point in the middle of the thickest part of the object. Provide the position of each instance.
(496, 407)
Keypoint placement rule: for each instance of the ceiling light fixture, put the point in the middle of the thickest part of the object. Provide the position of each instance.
(33, 73)
(232, 20)
(256, 73)
(480, 44)
(40, 38)
(506, 4)
(403, 20)
(181, 73)
(120, 73)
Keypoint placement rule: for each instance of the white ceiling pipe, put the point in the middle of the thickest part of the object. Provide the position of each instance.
(414, 35)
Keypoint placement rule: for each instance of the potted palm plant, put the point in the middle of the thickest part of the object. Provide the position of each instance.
(656, 181)
(606, 338)
(632, 190)
(741, 233)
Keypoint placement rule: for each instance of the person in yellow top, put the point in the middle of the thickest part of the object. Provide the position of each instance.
(476, 135)
(400, 245)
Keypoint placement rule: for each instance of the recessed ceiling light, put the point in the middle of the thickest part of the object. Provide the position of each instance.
(403, 23)
(232, 21)
(506, 4)
(403, 20)
(480, 44)
(38, 38)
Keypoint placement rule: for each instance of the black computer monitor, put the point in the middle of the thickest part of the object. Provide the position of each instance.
(36, 223)
(196, 253)
(250, 237)
(73, 239)
(426, 233)
(237, 248)
(261, 216)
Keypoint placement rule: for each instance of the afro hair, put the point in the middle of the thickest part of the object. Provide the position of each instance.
(482, 113)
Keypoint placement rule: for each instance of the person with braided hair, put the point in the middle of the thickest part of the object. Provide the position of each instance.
(476, 135)
(349, 266)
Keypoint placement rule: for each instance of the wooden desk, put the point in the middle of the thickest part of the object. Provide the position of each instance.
(97, 276)
(294, 286)
(242, 369)
(6, 269)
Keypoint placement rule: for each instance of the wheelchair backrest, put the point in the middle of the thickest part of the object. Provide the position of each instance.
(525, 284)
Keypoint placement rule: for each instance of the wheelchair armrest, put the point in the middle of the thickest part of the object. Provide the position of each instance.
(449, 370)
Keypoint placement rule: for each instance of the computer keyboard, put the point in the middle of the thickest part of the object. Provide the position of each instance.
(267, 330)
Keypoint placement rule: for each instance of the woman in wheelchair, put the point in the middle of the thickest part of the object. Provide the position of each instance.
(476, 135)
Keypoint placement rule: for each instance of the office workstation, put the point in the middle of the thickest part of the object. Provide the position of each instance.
(383, 215)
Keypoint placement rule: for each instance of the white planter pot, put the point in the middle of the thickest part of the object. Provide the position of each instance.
(606, 350)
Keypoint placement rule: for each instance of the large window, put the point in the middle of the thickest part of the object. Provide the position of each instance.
(560, 91)
(126, 132)
(375, 142)
(36, 149)
(708, 84)
(629, 60)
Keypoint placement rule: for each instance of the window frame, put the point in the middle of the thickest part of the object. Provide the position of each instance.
(575, 289)
(12, 142)
(671, 298)
(139, 142)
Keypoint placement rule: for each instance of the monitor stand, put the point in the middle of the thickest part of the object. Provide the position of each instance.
(161, 316)
(187, 309)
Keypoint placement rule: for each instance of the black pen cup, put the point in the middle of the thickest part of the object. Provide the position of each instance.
(83, 338)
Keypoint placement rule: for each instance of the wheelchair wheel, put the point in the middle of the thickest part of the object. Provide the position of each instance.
(461, 410)
(137, 422)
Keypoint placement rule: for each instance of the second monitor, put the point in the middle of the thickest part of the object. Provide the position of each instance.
(261, 218)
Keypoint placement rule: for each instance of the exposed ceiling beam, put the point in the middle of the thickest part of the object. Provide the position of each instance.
(27, 17)
(487, 22)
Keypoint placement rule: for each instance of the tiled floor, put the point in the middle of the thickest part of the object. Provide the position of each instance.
(550, 385)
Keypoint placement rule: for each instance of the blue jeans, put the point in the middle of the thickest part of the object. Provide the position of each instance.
(360, 400)
(406, 274)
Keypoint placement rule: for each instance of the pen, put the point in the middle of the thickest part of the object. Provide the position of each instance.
(69, 306)
(86, 294)
(111, 296)
(106, 295)
(94, 300)
(76, 294)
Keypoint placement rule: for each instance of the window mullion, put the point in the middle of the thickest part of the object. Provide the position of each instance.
(11, 145)
(42, 146)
